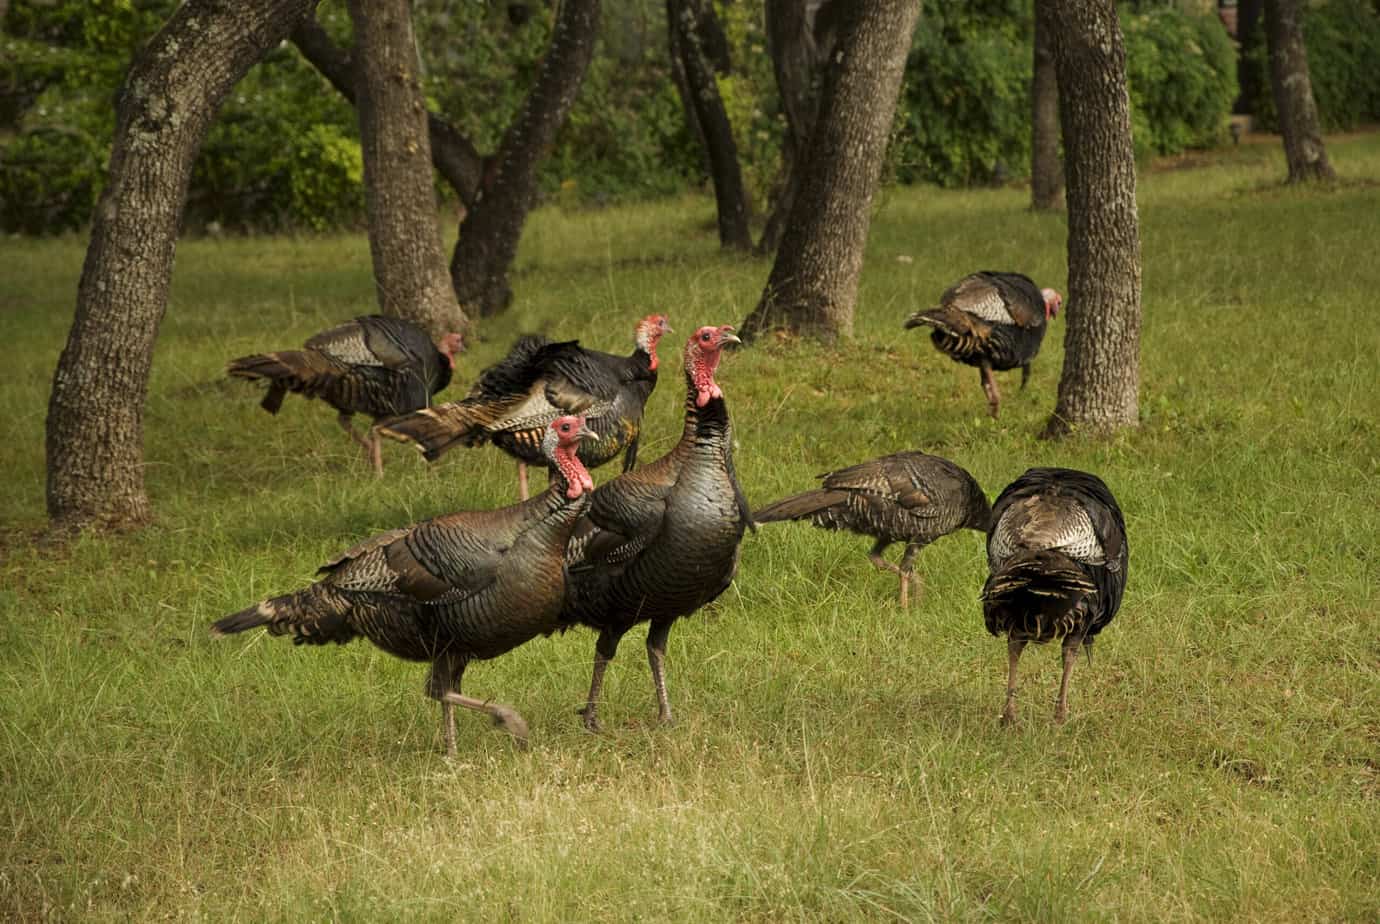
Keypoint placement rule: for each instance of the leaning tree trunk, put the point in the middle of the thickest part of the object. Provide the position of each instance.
(452, 154)
(1293, 92)
(1046, 171)
(409, 264)
(684, 19)
(489, 232)
(1099, 387)
(813, 286)
(174, 88)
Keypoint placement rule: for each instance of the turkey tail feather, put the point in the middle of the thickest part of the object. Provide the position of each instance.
(314, 616)
(303, 371)
(434, 430)
(799, 506)
(1036, 595)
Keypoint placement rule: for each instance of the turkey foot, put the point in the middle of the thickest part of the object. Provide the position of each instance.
(1061, 705)
(904, 569)
(989, 385)
(1013, 650)
(505, 717)
(372, 453)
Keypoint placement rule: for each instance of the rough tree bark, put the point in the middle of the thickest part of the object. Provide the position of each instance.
(1099, 386)
(172, 93)
(452, 154)
(1293, 92)
(490, 230)
(1046, 170)
(409, 264)
(795, 57)
(686, 21)
(813, 287)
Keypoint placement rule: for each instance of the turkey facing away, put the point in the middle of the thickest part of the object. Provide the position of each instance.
(661, 541)
(458, 588)
(908, 497)
(994, 321)
(514, 399)
(371, 365)
(1058, 555)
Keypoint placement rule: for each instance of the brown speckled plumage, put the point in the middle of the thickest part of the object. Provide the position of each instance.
(458, 588)
(909, 497)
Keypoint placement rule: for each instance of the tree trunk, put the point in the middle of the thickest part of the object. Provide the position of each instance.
(96, 411)
(1099, 387)
(489, 232)
(685, 18)
(409, 264)
(452, 154)
(1247, 74)
(795, 59)
(1293, 92)
(813, 286)
(1046, 170)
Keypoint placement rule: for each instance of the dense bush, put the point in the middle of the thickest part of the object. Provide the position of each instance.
(1181, 69)
(964, 112)
(965, 109)
(1343, 39)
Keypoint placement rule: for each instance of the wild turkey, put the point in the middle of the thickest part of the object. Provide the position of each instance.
(993, 321)
(458, 588)
(1058, 555)
(661, 541)
(909, 497)
(514, 400)
(372, 365)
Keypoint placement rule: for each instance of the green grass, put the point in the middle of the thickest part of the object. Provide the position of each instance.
(834, 758)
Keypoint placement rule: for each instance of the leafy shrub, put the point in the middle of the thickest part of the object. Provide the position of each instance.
(965, 105)
(1181, 71)
(1343, 40)
(964, 115)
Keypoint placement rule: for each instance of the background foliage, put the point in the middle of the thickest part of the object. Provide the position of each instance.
(283, 155)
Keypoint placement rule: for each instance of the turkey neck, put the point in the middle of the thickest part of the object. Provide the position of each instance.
(705, 427)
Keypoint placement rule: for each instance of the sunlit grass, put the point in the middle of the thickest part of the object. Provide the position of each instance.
(834, 757)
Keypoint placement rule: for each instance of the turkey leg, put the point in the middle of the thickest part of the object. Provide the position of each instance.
(366, 444)
(506, 717)
(989, 385)
(604, 650)
(1061, 705)
(881, 564)
(656, 657)
(1014, 646)
(376, 453)
(522, 481)
(1025, 374)
(907, 571)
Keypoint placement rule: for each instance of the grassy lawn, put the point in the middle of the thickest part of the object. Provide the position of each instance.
(835, 758)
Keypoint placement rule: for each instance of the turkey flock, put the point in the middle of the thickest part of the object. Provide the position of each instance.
(661, 540)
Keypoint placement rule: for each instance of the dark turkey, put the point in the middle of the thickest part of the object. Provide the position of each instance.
(909, 497)
(1058, 556)
(661, 541)
(451, 590)
(513, 401)
(372, 365)
(991, 320)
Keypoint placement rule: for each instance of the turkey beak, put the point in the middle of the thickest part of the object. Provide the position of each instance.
(726, 337)
(587, 434)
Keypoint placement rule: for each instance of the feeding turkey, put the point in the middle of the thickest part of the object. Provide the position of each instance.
(372, 365)
(994, 321)
(1058, 556)
(909, 497)
(458, 588)
(661, 541)
(514, 399)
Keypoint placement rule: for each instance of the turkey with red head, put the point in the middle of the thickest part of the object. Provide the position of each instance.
(539, 380)
(994, 321)
(371, 365)
(1058, 556)
(458, 588)
(661, 541)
